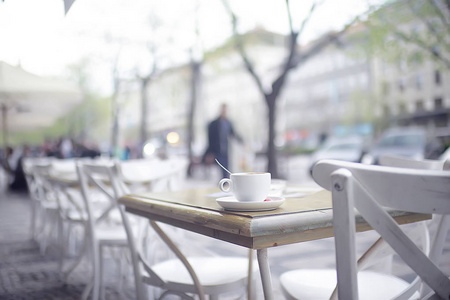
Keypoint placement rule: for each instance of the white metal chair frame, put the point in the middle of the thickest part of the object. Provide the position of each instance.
(370, 189)
(99, 176)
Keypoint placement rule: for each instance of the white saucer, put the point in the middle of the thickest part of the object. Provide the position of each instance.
(230, 203)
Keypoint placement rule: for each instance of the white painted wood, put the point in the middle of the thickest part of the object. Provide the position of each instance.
(406, 194)
(403, 162)
(263, 261)
(442, 221)
(344, 225)
(376, 187)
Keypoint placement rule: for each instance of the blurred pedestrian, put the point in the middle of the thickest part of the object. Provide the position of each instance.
(220, 131)
(18, 182)
(66, 147)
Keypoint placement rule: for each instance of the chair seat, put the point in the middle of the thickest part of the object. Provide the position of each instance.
(306, 284)
(211, 271)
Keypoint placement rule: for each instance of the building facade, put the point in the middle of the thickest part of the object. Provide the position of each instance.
(340, 90)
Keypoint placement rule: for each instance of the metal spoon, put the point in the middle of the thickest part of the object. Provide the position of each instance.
(222, 166)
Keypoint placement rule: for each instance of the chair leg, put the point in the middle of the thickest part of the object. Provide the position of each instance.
(48, 228)
(45, 235)
(33, 219)
(61, 244)
(87, 290)
(97, 272)
(101, 273)
(122, 268)
(39, 223)
(83, 250)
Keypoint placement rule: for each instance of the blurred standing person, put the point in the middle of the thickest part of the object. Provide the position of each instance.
(18, 183)
(219, 132)
(126, 153)
(66, 147)
(49, 148)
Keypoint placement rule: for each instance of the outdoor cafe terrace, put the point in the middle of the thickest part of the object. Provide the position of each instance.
(29, 264)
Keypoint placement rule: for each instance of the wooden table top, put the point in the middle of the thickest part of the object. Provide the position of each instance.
(298, 219)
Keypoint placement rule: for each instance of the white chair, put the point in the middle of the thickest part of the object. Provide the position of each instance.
(441, 223)
(181, 276)
(372, 190)
(404, 162)
(44, 208)
(373, 283)
(152, 174)
(104, 228)
(72, 221)
(217, 274)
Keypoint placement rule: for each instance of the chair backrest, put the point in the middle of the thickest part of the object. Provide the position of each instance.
(107, 178)
(372, 189)
(152, 174)
(441, 223)
(404, 162)
(99, 183)
(36, 174)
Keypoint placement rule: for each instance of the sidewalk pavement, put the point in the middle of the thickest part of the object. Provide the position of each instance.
(27, 274)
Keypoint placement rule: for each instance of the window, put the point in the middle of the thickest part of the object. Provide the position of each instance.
(401, 85)
(437, 77)
(438, 103)
(419, 82)
(436, 50)
(420, 106)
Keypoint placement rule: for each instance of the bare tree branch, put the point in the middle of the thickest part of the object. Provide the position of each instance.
(306, 19)
(289, 17)
(447, 3)
(439, 37)
(415, 40)
(423, 18)
(444, 20)
(240, 45)
(321, 44)
(288, 64)
(422, 45)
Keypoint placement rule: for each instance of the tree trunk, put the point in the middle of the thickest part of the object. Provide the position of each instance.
(115, 113)
(115, 126)
(272, 166)
(144, 110)
(5, 126)
(195, 81)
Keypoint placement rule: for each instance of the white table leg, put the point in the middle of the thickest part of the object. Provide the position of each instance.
(250, 275)
(264, 269)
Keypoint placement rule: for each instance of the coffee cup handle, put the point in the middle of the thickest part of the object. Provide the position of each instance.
(222, 185)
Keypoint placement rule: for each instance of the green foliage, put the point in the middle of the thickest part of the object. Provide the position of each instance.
(79, 123)
(409, 30)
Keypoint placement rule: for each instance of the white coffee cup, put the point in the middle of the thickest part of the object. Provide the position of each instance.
(247, 187)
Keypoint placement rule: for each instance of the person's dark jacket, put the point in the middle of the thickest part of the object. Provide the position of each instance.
(214, 137)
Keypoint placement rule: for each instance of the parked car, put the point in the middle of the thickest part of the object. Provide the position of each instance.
(350, 148)
(411, 142)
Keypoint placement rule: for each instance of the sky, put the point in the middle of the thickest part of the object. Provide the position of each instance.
(43, 40)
